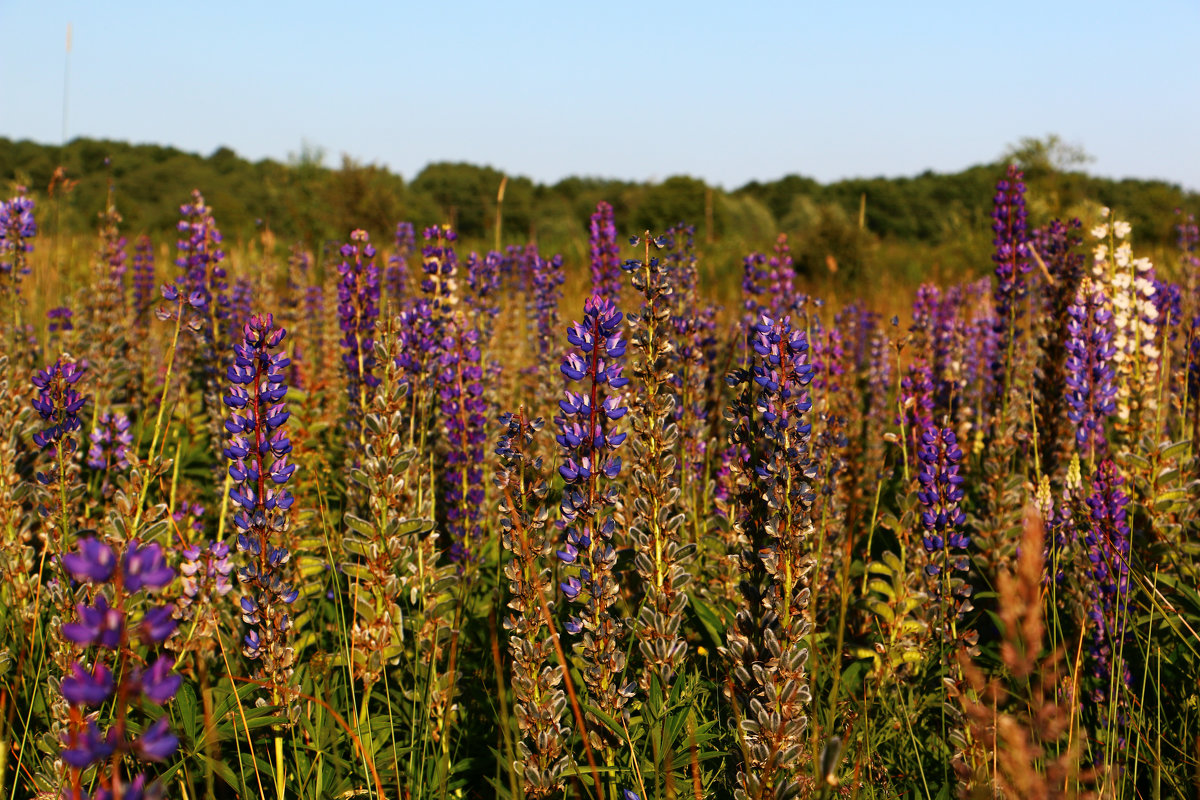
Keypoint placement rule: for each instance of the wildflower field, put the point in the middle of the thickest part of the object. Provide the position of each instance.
(398, 520)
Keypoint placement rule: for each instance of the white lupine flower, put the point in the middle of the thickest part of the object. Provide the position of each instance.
(1124, 254)
(1121, 228)
(1143, 265)
(1100, 231)
(1104, 212)
(1121, 280)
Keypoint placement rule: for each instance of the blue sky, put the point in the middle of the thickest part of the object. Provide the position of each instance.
(725, 91)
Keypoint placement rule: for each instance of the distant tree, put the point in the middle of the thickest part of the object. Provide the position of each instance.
(1045, 155)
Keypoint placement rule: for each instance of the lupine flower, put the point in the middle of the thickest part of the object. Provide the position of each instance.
(113, 252)
(1012, 259)
(59, 318)
(397, 268)
(205, 569)
(539, 701)
(1130, 284)
(143, 275)
(1057, 244)
(769, 420)
(1107, 541)
(439, 264)
(258, 449)
(464, 413)
(589, 469)
(781, 279)
(58, 403)
(17, 228)
(754, 280)
(940, 494)
(1188, 241)
(660, 554)
(203, 278)
(241, 305)
(679, 258)
(606, 255)
(111, 440)
(419, 351)
(483, 281)
(205, 575)
(106, 626)
(1089, 377)
(358, 311)
(547, 277)
(916, 396)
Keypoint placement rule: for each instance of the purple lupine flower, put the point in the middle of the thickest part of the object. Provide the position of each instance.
(464, 413)
(397, 268)
(947, 338)
(483, 281)
(111, 440)
(828, 359)
(925, 307)
(258, 449)
(879, 372)
(358, 311)
(59, 318)
(981, 343)
(88, 747)
(88, 688)
(679, 259)
(189, 516)
(1012, 260)
(858, 325)
(418, 351)
(916, 394)
(754, 279)
(144, 566)
(1168, 305)
(157, 743)
(94, 562)
(1193, 358)
(241, 305)
(1057, 244)
(105, 626)
(940, 493)
(203, 279)
(547, 277)
(160, 682)
(205, 571)
(1107, 541)
(606, 254)
(58, 403)
(1090, 379)
(143, 276)
(17, 227)
(769, 418)
(589, 469)
(439, 265)
(781, 279)
(113, 248)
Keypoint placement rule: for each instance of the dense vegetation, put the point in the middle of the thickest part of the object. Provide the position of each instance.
(895, 225)
(401, 519)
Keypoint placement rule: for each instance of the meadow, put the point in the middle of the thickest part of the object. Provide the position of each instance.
(405, 519)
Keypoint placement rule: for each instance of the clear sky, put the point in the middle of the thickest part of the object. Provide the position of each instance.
(726, 91)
